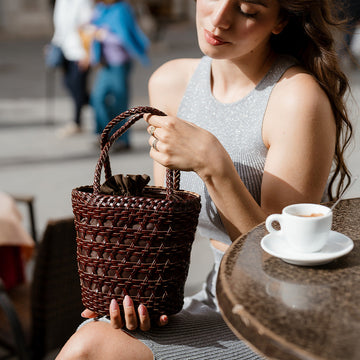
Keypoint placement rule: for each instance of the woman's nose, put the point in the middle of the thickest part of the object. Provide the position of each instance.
(222, 14)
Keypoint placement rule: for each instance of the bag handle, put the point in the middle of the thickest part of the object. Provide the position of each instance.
(134, 114)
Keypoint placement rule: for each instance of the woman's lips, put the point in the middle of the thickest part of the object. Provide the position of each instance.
(212, 39)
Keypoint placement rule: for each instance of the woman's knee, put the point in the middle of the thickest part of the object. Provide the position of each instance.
(98, 340)
(81, 345)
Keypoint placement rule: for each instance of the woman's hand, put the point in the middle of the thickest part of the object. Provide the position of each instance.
(130, 320)
(179, 144)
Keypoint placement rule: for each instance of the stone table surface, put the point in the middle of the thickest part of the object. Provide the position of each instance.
(294, 312)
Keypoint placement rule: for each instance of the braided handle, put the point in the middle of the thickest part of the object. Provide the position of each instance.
(134, 114)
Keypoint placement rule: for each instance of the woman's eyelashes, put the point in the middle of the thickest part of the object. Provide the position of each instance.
(246, 10)
(247, 14)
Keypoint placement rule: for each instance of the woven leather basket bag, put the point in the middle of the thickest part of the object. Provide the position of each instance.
(134, 245)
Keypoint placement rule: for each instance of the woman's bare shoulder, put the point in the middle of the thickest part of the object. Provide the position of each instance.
(168, 83)
(297, 86)
(178, 70)
(298, 93)
(298, 100)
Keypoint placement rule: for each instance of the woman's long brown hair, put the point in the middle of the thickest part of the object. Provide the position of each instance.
(308, 36)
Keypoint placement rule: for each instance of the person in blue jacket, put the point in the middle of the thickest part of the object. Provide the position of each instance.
(118, 40)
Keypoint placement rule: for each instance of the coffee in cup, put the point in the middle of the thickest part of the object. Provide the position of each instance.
(312, 215)
(305, 227)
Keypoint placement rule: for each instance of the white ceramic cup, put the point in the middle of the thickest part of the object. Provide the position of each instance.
(302, 226)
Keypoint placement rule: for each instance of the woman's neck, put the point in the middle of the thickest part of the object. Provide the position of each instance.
(231, 80)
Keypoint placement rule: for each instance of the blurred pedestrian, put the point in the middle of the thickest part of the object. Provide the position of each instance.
(69, 17)
(118, 40)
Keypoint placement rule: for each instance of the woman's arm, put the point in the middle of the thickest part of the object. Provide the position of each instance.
(298, 129)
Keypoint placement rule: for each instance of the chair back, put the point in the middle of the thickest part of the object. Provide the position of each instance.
(55, 293)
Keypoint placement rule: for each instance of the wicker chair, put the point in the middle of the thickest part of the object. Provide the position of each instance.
(49, 308)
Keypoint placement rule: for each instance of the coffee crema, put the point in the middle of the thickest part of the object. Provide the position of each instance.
(312, 215)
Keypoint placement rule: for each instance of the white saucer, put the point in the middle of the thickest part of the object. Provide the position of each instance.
(337, 245)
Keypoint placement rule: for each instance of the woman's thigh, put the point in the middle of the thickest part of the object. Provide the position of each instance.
(99, 340)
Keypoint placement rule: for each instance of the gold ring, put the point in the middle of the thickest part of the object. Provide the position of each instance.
(154, 143)
(152, 130)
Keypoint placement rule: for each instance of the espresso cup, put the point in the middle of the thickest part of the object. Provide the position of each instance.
(305, 227)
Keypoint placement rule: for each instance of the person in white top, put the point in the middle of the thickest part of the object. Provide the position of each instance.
(69, 17)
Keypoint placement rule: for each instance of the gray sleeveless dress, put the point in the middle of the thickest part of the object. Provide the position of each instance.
(198, 331)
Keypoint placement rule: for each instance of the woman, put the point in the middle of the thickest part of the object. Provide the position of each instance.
(255, 125)
(118, 40)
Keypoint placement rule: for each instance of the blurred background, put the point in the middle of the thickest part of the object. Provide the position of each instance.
(40, 167)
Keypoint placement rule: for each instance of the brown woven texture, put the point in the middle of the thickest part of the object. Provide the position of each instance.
(134, 245)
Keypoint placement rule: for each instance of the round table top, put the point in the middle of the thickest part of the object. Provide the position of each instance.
(294, 312)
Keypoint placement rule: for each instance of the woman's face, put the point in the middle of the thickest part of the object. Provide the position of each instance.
(230, 29)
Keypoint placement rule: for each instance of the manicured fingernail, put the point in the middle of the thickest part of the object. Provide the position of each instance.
(127, 301)
(142, 310)
(164, 319)
(113, 305)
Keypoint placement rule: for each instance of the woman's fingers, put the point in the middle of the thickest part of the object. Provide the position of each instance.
(154, 143)
(115, 316)
(156, 120)
(163, 320)
(147, 117)
(131, 322)
(88, 314)
(151, 130)
(144, 318)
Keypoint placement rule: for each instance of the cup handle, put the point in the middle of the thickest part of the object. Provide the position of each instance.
(269, 222)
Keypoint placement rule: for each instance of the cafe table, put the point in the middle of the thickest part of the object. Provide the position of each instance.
(287, 311)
